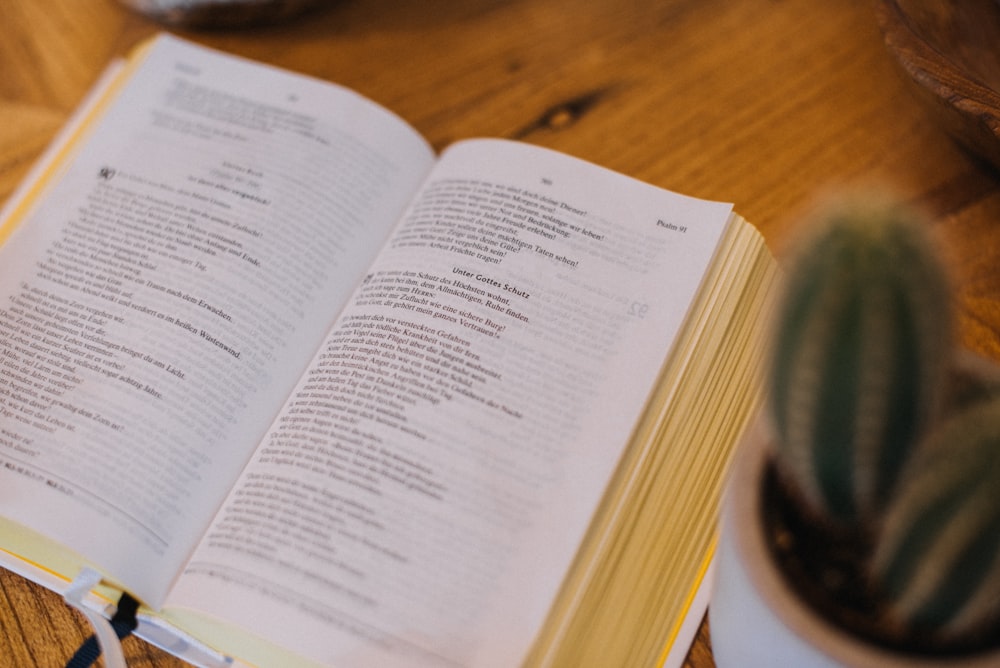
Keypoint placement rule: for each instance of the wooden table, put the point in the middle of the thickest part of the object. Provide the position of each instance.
(766, 104)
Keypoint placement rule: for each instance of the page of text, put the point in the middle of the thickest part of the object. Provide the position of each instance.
(424, 491)
(161, 302)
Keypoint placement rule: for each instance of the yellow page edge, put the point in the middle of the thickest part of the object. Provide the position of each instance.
(102, 599)
(687, 626)
(68, 140)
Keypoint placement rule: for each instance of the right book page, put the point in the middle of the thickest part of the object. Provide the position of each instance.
(423, 493)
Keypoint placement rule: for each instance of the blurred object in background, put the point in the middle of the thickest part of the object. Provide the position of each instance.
(948, 51)
(220, 13)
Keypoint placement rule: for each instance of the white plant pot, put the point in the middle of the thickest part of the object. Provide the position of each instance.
(756, 619)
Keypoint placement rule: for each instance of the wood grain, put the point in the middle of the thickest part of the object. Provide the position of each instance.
(766, 103)
(948, 52)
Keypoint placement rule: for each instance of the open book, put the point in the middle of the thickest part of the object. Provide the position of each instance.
(315, 395)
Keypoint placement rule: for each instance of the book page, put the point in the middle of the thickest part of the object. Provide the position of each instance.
(159, 302)
(421, 496)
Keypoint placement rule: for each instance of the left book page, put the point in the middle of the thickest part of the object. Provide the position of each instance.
(164, 284)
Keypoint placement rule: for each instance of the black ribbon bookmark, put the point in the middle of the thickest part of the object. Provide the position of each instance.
(123, 622)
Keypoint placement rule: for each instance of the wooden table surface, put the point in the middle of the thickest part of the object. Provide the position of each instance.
(765, 103)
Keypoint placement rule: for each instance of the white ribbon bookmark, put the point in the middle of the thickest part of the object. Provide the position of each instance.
(107, 639)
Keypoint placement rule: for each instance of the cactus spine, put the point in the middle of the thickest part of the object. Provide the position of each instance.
(938, 553)
(860, 356)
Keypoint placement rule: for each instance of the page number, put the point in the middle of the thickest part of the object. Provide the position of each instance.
(638, 309)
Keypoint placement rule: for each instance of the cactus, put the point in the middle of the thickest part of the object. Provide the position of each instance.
(881, 429)
(860, 355)
(937, 558)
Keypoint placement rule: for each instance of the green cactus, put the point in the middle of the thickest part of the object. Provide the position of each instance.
(938, 553)
(859, 358)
